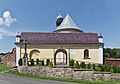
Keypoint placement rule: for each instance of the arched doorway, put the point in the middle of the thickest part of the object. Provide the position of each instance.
(60, 57)
(34, 54)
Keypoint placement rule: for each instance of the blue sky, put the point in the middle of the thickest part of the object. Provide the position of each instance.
(101, 16)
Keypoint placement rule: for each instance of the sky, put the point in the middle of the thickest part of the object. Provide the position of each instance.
(100, 16)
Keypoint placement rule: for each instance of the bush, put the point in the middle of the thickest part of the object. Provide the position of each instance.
(20, 62)
(88, 66)
(47, 62)
(39, 64)
(118, 70)
(42, 62)
(32, 62)
(50, 64)
(106, 68)
(76, 65)
(93, 67)
(114, 69)
(83, 65)
(37, 61)
(100, 68)
(71, 62)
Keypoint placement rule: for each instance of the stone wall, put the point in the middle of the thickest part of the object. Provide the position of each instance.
(112, 62)
(68, 73)
(9, 58)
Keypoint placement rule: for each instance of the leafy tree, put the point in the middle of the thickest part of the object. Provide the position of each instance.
(112, 53)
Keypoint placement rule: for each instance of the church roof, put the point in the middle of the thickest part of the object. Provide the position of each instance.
(67, 23)
(37, 38)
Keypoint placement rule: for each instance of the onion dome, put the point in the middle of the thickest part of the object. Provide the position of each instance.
(59, 20)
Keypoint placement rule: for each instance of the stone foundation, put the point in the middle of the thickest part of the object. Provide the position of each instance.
(68, 73)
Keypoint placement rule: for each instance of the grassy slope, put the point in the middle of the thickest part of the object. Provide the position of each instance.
(4, 68)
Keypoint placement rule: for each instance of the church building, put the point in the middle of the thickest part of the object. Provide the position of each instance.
(65, 43)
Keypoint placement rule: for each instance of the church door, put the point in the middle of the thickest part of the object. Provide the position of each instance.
(60, 57)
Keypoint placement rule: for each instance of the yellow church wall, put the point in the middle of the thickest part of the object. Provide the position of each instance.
(78, 55)
(75, 52)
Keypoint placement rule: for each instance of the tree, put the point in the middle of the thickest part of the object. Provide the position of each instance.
(112, 53)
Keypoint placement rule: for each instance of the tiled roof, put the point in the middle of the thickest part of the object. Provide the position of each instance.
(37, 38)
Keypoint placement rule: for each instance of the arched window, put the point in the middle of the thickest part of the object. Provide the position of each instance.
(34, 54)
(86, 53)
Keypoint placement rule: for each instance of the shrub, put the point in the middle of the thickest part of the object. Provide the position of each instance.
(20, 62)
(118, 70)
(88, 66)
(106, 68)
(71, 62)
(42, 62)
(47, 62)
(83, 65)
(37, 61)
(32, 62)
(114, 69)
(100, 68)
(93, 67)
(76, 65)
(50, 64)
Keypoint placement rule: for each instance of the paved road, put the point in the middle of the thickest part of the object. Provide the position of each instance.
(11, 79)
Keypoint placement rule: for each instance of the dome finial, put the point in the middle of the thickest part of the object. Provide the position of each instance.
(59, 19)
(59, 11)
(59, 16)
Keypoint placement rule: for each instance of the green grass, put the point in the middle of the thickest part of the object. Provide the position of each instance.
(4, 68)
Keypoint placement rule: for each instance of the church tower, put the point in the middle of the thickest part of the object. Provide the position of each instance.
(66, 25)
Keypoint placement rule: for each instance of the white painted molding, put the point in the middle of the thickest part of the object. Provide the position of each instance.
(101, 54)
(17, 54)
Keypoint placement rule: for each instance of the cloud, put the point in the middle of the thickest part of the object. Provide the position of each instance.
(7, 19)
(4, 33)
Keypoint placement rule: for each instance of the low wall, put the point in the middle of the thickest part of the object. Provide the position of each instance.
(68, 73)
(112, 62)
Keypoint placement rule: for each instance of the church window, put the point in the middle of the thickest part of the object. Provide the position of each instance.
(86, 54)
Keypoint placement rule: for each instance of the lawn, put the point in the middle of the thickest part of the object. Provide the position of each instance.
(4, 68)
